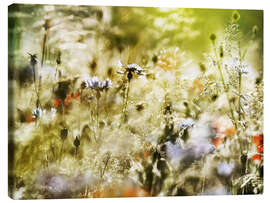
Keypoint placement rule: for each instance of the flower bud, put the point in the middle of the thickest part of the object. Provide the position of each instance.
(213, 37)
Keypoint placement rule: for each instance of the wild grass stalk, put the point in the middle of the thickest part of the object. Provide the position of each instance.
(226, 89)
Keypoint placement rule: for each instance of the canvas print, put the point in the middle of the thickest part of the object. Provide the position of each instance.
(114, 101)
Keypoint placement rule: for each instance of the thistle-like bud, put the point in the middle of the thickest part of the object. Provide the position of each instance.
(202, 67)
(33, 59)
(235, 16)
(155, 58)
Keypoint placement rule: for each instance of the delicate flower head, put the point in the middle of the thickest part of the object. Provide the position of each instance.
(188, 123)
(243, 70)
(135, 68)
(95, 84)
(106, 84)
(37, 112)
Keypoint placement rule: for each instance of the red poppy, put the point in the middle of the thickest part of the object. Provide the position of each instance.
(217, 141)
(258, 139)
(260, 149)
(57, 102)
(76, 95)
(67, 99)
(256, 157)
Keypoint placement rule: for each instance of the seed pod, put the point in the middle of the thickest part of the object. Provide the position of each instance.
(83, 85)
(101, 124)
(110, 71)
(154, 58)
(76, 142)
(221, 52)
(258, 80)
(214, 97)
(33, 59)
(47, 24)
(99, 15)
(129, 75)
(202, 67)
(139, 107)
(93, 65)
(64, 133)
(58, 59)
(235, 16)
(185, 104)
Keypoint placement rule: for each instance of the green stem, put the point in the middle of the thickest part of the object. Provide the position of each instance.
(106, 164)
(97, 116)
(126, 101)
(224, 86)
(43, 48)
(240, 84)
(239, 92)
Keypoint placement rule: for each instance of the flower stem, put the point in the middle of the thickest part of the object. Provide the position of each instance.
(126, 101)
(224, 86)
(240, 84)
(97, 115)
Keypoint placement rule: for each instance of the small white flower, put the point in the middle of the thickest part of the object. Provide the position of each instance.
(130, 68)
(37, 112)
(120, 63)
(95, 84)
(243, 70)
(135, 68)
(188, 123)
(53, 113)
(106, 84)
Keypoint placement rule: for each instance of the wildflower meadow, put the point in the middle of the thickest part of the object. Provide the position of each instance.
(134, 101)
